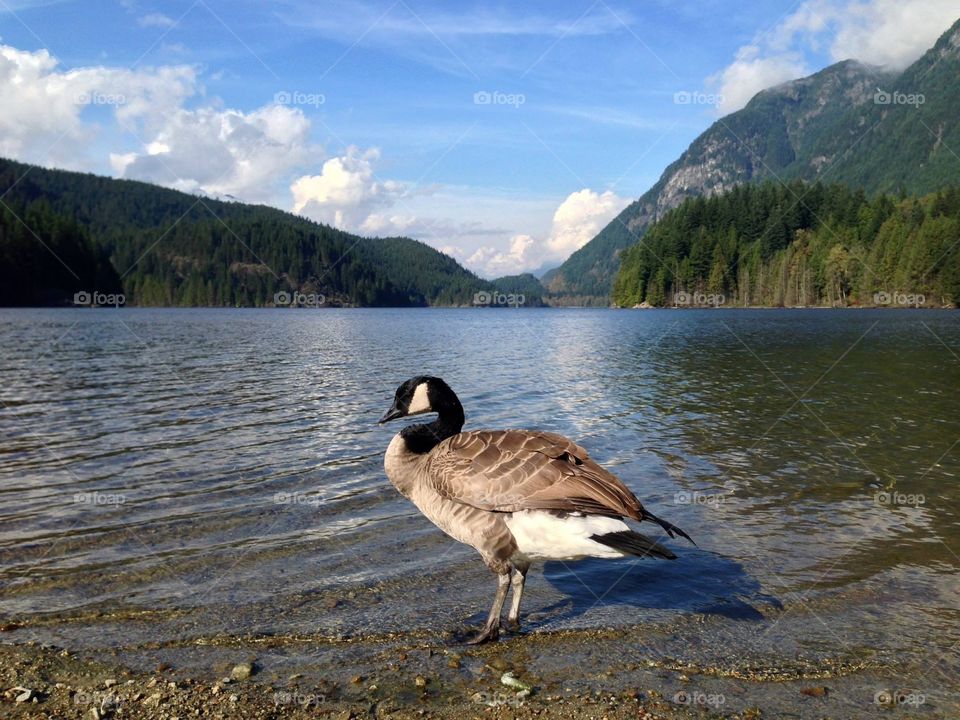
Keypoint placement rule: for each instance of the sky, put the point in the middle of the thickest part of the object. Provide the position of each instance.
(504, 134)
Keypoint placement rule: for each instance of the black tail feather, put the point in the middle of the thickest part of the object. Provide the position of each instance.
(671, 529)
(633, 543)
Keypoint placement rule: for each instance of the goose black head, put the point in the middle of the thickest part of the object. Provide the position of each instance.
(425, 394)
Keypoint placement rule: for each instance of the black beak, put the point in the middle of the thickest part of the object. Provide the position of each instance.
(392, 414)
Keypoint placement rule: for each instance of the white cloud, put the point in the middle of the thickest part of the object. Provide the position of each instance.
(53, 117)
(890, 33)
(156, 20)
(576, 221)
(42, 108)
(751, 72)
(517, 258)
(224, 152)
(348, 195)
(579, 218)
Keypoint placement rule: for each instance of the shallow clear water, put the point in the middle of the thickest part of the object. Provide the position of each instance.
(223, 469)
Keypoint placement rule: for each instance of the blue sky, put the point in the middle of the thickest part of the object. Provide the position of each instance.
(506, 134)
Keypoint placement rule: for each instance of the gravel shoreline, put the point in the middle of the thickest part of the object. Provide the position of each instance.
(47, 682)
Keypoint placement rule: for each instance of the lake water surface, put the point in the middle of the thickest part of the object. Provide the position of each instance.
(173, 475)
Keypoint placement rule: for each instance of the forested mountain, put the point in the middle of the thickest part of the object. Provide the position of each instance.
(45, 258)
(525, 284)
(798, 244)
(849, 123)
(163, 247)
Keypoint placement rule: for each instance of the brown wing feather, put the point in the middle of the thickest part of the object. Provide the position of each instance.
(511, 470)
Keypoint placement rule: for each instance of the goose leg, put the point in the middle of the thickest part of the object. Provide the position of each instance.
(519, 576)
(491, 631)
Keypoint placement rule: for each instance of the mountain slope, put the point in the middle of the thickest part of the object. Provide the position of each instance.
(823, 127)
(169, 248)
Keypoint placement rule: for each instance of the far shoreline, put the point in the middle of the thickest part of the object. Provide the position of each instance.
(473, 307)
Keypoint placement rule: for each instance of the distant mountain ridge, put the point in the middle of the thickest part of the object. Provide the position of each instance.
(65, 232)
(849, 123)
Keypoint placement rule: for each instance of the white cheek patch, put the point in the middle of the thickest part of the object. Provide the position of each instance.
(420, 402)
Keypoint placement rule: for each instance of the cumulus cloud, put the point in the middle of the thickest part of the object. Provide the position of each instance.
(579, 218)
(348, 195)
(53, 117)
(889, 33)
(517, 258)
(576, 221)
(223, 152)
(42, 108)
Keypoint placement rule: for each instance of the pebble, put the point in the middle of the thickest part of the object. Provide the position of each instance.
(511, 681)
(25, 696)
(152, 701)
(242, 671)
(109, 683)
(420, 681)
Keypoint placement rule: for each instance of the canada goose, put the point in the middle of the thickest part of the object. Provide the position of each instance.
(514, 495)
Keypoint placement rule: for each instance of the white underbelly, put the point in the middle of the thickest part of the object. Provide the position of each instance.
(541, 535)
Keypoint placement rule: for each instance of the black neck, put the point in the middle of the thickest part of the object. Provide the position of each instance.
(426, 436)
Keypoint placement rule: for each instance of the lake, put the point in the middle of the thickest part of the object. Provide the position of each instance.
(171, 478)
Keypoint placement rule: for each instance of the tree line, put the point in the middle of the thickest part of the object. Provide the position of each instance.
(798, 244)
